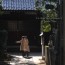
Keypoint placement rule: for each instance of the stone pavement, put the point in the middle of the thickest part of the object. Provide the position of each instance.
(34, 59)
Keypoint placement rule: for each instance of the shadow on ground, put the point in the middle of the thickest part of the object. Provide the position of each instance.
(3, 63)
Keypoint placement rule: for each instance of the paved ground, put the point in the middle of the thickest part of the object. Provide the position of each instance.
(35, 59)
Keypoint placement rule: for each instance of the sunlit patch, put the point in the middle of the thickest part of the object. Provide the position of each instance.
(20, 60)
(12, 63)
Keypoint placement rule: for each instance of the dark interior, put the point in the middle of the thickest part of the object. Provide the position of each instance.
(18, 24)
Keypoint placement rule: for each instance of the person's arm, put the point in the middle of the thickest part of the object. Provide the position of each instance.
(18, 41)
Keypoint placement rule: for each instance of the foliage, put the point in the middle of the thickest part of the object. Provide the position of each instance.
(37, 3)
(51, 0)
(45, 26)
(51, 14)
(1, 12)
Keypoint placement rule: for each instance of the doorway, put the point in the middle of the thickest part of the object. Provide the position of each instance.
(18, 28)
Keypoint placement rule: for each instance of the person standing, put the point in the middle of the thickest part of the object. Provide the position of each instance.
(24, 46)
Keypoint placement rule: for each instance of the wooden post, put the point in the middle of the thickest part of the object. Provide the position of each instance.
(47, 55)
(42, 48)
(42, 44)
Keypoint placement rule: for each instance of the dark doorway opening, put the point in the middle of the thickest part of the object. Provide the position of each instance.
(30, 28)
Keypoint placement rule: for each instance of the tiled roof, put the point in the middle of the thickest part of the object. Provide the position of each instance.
(18, 4)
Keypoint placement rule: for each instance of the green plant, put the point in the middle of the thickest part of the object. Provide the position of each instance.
(51, 14)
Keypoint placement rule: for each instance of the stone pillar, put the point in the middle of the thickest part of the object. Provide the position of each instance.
(47, 58)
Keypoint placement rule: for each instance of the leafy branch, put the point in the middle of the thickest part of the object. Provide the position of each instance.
(50, 14)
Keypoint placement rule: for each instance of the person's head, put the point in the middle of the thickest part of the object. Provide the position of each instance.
(24, 36)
